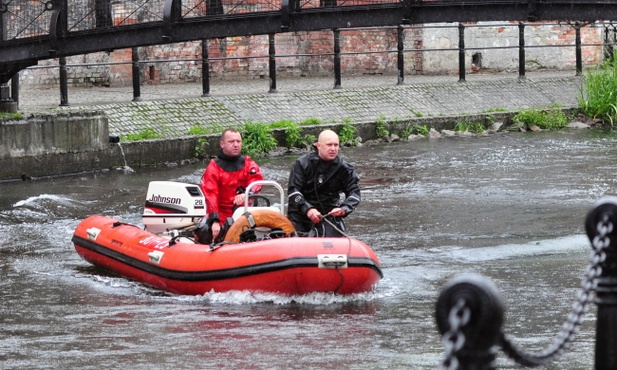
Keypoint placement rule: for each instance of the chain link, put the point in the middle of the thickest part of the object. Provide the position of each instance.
(454, 339)
(588, 285)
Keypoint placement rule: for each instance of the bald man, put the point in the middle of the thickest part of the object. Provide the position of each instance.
(316, 182)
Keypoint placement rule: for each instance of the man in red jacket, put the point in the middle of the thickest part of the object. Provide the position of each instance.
(226, 178)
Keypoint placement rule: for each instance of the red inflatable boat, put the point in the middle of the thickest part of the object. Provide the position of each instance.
(285, 264)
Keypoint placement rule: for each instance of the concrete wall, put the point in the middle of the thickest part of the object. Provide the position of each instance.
(547, 46)
(51, 151)
(41, 145)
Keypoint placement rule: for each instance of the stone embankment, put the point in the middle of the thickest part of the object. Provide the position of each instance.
(172, 110)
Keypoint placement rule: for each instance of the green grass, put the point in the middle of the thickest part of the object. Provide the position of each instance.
(198, 130)
(311, 121)
(598, 96)
(5, 115)
(547, 119)
(466, 126)
(145, 134)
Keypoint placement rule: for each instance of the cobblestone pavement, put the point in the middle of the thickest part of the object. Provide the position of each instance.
(172, 110)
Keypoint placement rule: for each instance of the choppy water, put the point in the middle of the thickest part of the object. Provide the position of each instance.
(510, 207)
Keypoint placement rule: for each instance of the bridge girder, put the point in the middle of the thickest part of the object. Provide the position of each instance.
(20, 53)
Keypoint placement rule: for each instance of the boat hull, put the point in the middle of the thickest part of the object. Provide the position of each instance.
(291, 265)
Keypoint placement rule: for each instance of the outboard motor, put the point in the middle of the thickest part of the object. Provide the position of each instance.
(172, 205)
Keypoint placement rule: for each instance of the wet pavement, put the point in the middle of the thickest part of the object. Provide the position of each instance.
(171, 110)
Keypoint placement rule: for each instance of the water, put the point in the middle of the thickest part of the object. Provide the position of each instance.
(510, 207)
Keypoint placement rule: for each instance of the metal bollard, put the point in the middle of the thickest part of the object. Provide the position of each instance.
(601, 230)
(469, 314)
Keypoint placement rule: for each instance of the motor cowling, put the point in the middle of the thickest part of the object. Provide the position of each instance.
(172, 205)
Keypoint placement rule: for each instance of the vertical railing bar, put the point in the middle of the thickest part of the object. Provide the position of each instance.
(205, 68)
(135, 73)
(337, 58)
(521, 50)
(272, 62)
(461, 52)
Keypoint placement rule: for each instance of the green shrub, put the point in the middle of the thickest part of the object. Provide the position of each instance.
(544, 119)
(257, 138)
(347, 134)
(420, 130)
(201, 148)
(293, 133)
(380, 127)
(198, 130)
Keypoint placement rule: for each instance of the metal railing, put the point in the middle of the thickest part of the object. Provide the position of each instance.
(336, 55)
(469, 310)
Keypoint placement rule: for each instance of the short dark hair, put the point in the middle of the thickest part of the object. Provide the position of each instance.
(229, 129)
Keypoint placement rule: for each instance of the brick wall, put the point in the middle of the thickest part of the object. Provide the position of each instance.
(371, 51)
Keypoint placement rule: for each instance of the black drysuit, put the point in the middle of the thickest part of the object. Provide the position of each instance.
(315, 183)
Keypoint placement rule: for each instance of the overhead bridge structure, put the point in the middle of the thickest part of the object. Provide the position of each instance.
(33, 30)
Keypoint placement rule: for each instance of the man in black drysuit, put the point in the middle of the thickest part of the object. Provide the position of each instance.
(316, 182)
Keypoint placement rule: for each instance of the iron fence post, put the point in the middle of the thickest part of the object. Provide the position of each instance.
(135, 70)
(205, 68)
(400, 55)
(461, 52)
(337, 58)
(272, 62)
(521, 50)
(64, 88)
(15, 89)
(579, 52)
(606, 289)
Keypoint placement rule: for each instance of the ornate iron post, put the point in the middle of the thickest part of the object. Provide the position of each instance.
(461, 52)
(601, 230)
(469, 315)
(579, 52)
(337, 58)
(64, 86)
(136, 79)
(272, 62)
(400, 46)
(205, 68)
(15, 89)
(521, 50)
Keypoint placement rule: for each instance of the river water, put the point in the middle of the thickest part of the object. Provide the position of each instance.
(507, 206)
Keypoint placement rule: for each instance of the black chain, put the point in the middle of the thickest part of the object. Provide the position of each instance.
(454, 339)
(599, 243)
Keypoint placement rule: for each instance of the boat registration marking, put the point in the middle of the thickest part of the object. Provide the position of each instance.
(155, 242)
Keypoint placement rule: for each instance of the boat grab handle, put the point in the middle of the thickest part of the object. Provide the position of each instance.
(265, 182)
